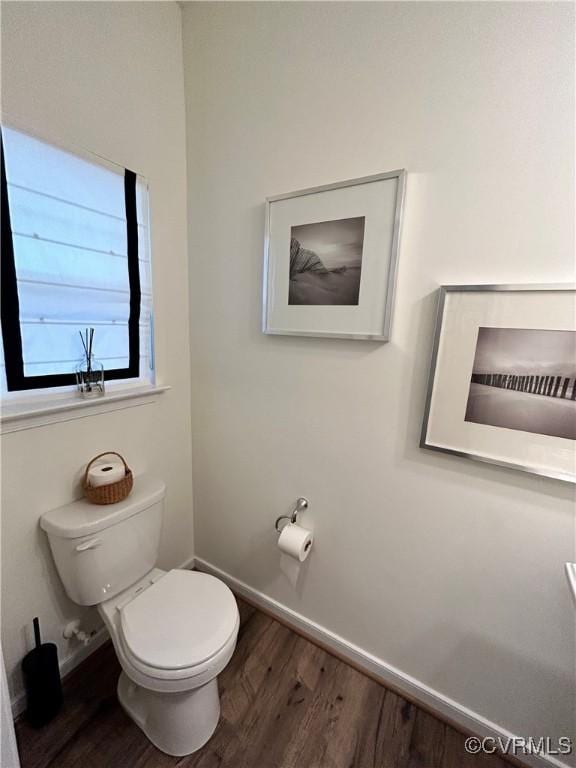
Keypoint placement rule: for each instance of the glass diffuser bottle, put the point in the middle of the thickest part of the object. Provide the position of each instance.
(90, 377)
(89, 372)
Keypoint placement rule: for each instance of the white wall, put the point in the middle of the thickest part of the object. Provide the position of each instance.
(448, 569)
(107, 77)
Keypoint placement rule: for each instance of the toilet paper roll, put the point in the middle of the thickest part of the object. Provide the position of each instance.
(106, 472)
(291, 569)
(295, 541)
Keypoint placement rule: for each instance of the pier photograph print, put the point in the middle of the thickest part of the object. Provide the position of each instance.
(502, 385)
(524, 379)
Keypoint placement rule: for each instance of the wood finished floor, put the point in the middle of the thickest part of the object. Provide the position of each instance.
(285, 704)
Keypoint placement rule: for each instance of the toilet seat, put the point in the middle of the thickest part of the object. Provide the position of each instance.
(174, 680)
(154, 678)
(178, 623)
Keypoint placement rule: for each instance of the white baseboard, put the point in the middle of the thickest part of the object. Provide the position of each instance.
(78, 655)
(388, 675)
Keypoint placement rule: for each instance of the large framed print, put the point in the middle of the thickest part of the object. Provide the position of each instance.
(330, 258)
(502, 385)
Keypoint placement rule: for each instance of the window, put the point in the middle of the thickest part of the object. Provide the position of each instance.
(75, 255)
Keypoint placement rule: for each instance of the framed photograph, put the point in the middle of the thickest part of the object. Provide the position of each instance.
(330, 258)
(502, 385)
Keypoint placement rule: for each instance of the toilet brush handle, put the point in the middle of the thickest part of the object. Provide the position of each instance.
(37, 639)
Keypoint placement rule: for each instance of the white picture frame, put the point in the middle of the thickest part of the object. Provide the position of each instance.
(354, 227)
(526, 417)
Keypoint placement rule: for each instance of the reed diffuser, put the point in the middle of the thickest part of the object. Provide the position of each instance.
(89, 373)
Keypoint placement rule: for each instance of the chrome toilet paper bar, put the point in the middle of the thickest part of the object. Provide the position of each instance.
(301, 505)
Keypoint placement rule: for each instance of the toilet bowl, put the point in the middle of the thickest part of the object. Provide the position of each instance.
(173, 631)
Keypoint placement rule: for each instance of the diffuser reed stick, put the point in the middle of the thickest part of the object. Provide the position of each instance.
(87, 344)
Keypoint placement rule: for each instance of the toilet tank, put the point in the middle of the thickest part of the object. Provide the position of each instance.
(100, 550)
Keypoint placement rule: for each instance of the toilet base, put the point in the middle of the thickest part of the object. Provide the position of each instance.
(177, 723)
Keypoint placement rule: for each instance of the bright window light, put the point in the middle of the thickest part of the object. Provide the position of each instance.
(70, 221)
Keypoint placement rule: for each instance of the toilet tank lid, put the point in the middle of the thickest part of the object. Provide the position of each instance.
(82, 518)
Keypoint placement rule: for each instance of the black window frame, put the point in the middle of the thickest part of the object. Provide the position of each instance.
(16, 380)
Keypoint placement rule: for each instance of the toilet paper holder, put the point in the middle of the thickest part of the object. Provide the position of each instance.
(301, 505)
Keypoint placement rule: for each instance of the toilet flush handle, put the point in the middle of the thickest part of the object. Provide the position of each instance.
(90, 544)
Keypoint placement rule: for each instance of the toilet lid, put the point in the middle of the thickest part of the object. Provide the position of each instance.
(180, 621)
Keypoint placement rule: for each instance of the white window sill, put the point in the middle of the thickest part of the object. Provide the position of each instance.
(38, 412)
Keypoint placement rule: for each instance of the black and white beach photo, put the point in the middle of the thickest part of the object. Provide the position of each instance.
(326, 262)
(524, 379)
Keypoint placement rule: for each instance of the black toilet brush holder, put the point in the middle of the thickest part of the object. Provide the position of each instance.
(42, 681)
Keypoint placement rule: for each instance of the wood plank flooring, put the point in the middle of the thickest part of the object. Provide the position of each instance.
(285, 704)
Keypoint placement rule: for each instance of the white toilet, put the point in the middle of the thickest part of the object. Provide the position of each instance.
(173, 632)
